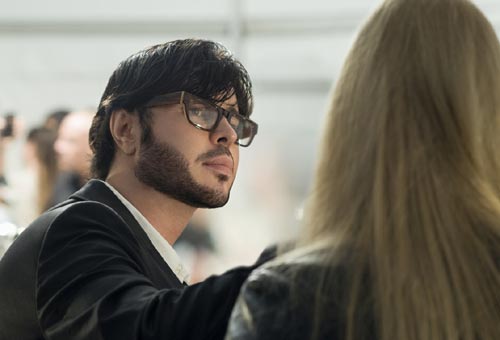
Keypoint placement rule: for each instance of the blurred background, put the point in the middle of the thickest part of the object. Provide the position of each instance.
(58, 55)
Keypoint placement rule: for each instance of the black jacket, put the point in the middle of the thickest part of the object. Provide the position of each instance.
(296, 300)
(87, 270)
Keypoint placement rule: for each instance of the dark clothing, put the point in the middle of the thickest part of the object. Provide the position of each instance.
(66, 184)
(197, 237)
(288, 301)
(87, 270)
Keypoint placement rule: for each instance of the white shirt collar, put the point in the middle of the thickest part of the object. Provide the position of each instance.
(161, 245)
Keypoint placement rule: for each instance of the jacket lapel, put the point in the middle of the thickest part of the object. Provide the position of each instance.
(96, 190)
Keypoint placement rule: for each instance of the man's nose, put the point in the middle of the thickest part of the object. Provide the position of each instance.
(224, 133)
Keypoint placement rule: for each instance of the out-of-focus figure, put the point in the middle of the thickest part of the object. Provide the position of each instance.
(31, 187)
(40, 142)
(55, 118)
(8, 228)
(73, 154)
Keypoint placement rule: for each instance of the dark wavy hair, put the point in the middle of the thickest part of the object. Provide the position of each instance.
(201, 67)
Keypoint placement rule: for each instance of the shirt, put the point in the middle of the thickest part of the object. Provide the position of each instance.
(161, 245)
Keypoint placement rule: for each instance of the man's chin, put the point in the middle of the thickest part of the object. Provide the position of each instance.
(214, 203)
(216, 200)
(201, 198)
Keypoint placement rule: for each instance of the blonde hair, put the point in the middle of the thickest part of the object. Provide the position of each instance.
(409, 173)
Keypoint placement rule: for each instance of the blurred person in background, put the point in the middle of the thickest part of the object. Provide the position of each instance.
(165, 140)
(402, 230)
(40, 142)
(73, 154)
(54, 119)
(7, 133)
(30, 188)
(8, 227)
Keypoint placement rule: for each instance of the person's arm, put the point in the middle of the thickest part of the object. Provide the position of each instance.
(91, 285)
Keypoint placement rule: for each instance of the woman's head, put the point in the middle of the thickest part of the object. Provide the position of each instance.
(417, 101)
(408, 178)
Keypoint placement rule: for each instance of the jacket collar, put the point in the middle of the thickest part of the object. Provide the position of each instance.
(96, 190)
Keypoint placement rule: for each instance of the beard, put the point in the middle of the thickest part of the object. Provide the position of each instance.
(166, 170)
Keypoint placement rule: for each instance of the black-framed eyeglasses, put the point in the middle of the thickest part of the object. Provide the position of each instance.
(206, 116)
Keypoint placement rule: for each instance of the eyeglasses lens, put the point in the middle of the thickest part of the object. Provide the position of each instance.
(205, 116)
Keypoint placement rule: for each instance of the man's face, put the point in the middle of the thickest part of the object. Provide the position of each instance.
(71, 146)
(191, 165)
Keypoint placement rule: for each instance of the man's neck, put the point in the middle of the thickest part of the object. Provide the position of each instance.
(167, 215)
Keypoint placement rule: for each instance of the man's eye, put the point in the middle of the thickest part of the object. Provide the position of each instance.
(200, 111)
(202, 116)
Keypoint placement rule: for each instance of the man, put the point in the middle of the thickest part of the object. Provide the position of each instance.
(166, 140)
(73, 155)
(72, 146)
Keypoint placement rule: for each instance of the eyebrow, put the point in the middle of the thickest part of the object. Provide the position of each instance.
(233, 109)
(229, 107)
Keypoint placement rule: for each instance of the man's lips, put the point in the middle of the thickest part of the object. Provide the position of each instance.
(221, 164)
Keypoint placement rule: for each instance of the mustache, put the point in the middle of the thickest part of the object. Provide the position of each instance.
(214, 153)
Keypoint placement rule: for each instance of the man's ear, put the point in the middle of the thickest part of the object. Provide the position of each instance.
(125, 129)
